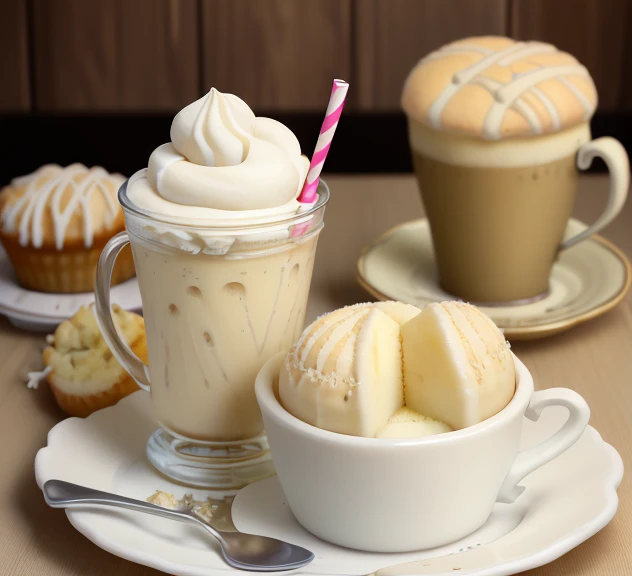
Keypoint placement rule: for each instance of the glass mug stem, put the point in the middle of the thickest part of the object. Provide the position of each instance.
(121, 351)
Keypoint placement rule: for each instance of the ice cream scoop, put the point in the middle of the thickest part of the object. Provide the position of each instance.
(389, 370)
(345, 372)
(408, 423)
(457, 365)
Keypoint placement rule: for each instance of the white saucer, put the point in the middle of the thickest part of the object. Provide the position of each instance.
(587, 280)
(565, 502)
(42, 311)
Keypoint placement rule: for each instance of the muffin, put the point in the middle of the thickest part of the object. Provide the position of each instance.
(81, 370)
(54, 224)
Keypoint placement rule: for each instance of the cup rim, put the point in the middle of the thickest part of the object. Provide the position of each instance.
(269, 222)
(271, 405)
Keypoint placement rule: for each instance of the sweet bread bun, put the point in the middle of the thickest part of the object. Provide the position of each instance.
(55, 222)
(495, 88)
(84, 375)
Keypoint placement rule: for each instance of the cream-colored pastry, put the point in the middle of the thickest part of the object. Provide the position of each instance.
(62, 206)
(457, 365)
(495, 87)
(495, 102)
(202, 508)
(389, 370)
(55, 222)
(163, 499)
(80, 368)
(408, 423)
(345, 372)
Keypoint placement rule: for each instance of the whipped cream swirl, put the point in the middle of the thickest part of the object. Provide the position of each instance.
(221, 157)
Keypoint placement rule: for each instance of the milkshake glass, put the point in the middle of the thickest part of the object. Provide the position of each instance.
(220, 297)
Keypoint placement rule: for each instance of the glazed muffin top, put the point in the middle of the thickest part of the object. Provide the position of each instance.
(55, 207)
(493, 88)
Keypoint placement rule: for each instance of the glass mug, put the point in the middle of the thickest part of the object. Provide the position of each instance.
(218, 304)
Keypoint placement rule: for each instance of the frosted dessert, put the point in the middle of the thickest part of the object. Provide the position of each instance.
(494, 128)
(224, 283)
(80, 369)
(389, 370)
(54, 223)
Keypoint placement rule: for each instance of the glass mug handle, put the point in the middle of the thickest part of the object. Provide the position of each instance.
(136, 368)
(532, 458)
(615, 157)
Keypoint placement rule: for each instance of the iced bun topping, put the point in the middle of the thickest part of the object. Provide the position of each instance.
(389, 370)
(494, 88)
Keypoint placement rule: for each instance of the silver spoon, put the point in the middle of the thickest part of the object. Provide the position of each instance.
(243, 551)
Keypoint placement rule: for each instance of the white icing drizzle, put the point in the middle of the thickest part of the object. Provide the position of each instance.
(509, 95)
(523, 82)
(492, 85)
(550, 107)
(339, 326)
(588, 107)
(340, 331)
(529, 49)
(34, 378)
(30, 208)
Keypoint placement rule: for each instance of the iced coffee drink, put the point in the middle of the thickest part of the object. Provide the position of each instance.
(224, 254)
(212, 324)
(495, 128)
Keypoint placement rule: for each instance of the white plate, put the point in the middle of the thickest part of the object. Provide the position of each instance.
(565, 502)
(587, 280)
(42, 311)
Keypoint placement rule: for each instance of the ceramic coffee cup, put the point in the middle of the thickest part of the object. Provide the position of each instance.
(498, 131)
(396, 495)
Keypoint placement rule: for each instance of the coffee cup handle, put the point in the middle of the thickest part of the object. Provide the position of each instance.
(121, 351)
(616, 158)
(532, 458)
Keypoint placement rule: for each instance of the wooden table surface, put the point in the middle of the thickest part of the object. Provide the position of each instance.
(595, 359)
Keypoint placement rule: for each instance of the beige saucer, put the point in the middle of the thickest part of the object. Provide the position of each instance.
(588, 280)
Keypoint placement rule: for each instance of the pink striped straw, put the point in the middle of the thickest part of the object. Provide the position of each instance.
(334, 110)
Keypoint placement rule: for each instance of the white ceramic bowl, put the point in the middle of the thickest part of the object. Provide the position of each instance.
(396, 495)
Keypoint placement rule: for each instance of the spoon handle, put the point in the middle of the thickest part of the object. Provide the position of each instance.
(60, 494)
(244, 551)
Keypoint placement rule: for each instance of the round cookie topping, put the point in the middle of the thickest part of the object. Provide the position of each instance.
(494, 87)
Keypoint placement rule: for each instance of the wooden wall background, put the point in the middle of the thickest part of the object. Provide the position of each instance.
(279, 55)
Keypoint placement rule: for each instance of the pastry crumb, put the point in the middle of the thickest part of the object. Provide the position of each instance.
(163, 499)
(188, 500)
(203, 509)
